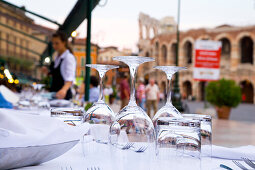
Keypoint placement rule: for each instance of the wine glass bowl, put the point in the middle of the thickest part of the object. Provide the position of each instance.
(100, 112)
(168, 110)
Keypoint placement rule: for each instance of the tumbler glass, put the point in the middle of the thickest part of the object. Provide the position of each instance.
(178, 143)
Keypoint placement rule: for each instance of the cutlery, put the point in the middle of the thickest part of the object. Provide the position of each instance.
(239, 165)
(141, 149)
(249, 162)
(225, 167)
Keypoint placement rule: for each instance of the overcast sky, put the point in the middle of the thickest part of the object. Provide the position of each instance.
(117, 22)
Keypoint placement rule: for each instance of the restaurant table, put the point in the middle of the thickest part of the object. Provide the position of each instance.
(74, 159)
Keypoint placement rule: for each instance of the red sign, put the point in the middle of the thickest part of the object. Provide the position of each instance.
(207, 60)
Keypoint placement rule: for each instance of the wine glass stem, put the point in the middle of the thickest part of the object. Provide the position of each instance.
(169, 101)
(133, 70)
(101, 96)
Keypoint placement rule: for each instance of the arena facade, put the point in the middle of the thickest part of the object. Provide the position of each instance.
(157, 39)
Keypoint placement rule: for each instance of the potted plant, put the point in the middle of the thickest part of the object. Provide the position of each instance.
(223, 94)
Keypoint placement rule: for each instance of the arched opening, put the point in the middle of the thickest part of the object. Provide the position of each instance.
(187, 90)
(246, 45)
(144, 32)
(147, 54)
(226, 47)
(164, 53)
(173, 53)
(151, 33)
(156, 49)
(188, 52)
(247, 91)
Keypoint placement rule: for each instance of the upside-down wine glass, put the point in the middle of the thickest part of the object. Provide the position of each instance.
(136, 127)
(168, 110)
(100, 117)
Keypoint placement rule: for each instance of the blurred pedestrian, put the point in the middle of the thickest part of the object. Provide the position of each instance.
(94, 90)
(124, 91)
(141, 97)
(152, 94)
(107, 92)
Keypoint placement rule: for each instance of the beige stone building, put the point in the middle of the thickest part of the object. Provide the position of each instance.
(237, 57)
(20, 52)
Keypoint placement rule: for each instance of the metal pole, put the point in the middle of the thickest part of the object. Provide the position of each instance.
(88, 60)
(177, 95)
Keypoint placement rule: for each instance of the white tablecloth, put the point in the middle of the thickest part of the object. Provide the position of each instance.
(75, 159)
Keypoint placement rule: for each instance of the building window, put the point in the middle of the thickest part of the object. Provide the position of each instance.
(82, 61)
(7, 43)
(82, 73)
(246, 45)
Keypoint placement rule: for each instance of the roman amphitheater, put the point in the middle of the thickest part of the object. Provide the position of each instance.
(158, 39)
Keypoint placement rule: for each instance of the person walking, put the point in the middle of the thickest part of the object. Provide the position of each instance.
(141, 97)
(152, 94)
(124, 91)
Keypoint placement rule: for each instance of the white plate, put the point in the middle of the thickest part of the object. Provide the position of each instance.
(16, 157)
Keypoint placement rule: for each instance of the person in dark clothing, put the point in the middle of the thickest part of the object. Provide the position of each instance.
(63, 68)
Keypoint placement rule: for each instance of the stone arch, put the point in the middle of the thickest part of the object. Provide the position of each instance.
(144, 32)
(247, 89)
(155, 31)
(188, 52)
(173, 52)
(246, 49)
(190, 39)
(147, 54)
(187, 89)
(204, 37)
(164, 53)
(151, 33)
(226, 47)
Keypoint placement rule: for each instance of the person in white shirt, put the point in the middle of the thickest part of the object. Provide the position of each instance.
(152, 95)
(63, 68)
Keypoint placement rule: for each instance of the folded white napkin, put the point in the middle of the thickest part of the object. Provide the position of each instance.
(234, 153)
(9, 95)
(21, 130)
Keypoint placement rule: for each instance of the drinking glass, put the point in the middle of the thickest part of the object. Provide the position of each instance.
(178, 143)
(206, 132)
(70, 116)
(136, 128)
(168, 110)
(100, 117)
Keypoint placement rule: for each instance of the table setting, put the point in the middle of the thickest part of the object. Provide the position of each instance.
(55, 134)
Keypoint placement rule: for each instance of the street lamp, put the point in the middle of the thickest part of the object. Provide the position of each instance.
(177, 96)
(73, 35)
(47, 60)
